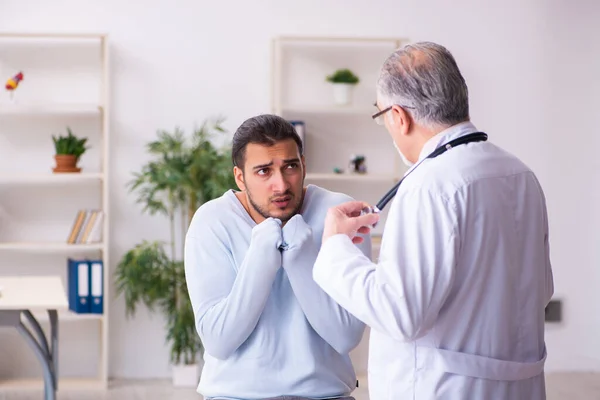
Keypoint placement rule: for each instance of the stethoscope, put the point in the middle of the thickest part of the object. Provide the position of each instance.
(470, 138)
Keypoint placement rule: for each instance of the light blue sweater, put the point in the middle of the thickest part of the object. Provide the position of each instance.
(267, 328)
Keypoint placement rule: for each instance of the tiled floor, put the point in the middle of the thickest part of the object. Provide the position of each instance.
(576, 386)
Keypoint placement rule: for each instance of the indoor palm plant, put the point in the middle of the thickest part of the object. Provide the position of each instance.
(69, 150)
(182, 175)
(344, 81)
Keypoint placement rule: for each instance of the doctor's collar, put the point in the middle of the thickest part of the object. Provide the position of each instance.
(460, 129)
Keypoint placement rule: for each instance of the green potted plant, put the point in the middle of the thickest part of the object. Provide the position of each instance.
(343, 81)
(182, 175)
(69, 150)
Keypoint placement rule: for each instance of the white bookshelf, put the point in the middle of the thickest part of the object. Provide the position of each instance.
(66, 83)
(50, 247)
(385, 178)
(334, 133)
(50, 178)
(45, 109)
(327, 110)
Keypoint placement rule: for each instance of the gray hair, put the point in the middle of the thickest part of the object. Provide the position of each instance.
(425, 78)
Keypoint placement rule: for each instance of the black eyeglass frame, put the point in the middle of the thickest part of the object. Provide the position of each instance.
(379, 113)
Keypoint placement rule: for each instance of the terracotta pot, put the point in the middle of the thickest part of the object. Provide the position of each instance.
(66, 163)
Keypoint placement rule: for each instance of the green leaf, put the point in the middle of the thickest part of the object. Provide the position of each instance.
(184, 171)
(70, 144)
(343, 75)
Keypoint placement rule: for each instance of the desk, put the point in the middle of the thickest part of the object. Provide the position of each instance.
(20, 296)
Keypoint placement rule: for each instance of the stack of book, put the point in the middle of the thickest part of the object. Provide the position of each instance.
(87, 227)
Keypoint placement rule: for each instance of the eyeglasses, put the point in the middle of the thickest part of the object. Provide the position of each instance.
(378, 116)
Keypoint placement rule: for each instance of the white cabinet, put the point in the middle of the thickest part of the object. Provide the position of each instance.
(65, 83)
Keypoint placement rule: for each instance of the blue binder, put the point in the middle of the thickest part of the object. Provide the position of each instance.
(79, 285)
(97, 286)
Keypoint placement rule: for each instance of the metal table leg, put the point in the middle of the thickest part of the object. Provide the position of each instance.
(48, 356)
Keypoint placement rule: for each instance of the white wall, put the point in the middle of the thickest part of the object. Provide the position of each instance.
(531, 68)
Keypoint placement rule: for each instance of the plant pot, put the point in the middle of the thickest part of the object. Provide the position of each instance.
(186, 375)
(342, 93)
(66, 163)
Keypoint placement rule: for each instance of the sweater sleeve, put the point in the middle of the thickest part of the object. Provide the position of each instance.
(226, 304)
(338, 327)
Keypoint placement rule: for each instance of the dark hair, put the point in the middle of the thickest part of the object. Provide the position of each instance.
(265, 129)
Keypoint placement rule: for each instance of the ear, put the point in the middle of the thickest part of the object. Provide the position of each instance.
(239, 178)
(401, 119)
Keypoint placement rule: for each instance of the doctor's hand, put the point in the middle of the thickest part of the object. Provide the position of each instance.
(346, 219)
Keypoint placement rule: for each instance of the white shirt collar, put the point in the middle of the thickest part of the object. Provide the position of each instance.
(446, 135)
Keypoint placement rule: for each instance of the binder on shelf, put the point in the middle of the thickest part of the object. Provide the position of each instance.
(300, 128)
(97, 292)
(86, 286)
(79, 286)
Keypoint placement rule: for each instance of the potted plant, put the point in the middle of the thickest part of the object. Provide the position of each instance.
(69, 150)
(344, 81)
(183, 175)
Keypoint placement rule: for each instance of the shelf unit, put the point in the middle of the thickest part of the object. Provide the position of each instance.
(49, 178)
(66, 83)
(333, 133)
(33, 110)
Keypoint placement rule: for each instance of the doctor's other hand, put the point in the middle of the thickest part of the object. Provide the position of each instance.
(346, 219)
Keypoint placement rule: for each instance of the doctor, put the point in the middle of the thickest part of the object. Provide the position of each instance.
(456, 301)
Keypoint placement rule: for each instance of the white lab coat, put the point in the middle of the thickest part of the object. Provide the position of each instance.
(456, 300)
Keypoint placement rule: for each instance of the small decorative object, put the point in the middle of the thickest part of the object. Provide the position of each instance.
(13, 83)
(337, 170)
(357, 164)
(68, 151)
(343, 81)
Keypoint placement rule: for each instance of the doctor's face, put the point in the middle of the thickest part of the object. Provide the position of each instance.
(272, 179)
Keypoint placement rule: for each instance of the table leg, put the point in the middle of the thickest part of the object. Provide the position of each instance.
(40, 347)
(53, 314)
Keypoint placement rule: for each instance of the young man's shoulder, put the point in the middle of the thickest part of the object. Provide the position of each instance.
(322, 197)
(213, 214)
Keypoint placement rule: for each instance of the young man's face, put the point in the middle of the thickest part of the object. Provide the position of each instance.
(273, 180)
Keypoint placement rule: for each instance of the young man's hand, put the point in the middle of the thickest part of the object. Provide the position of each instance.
(267, 237)
(296, 232)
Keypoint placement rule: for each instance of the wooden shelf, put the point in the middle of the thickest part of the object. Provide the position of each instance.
(63, 384)
(51, 178)
(50, 109)
(49, 247)
(352, 177)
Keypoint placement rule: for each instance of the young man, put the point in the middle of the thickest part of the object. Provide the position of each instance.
(267, 328)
